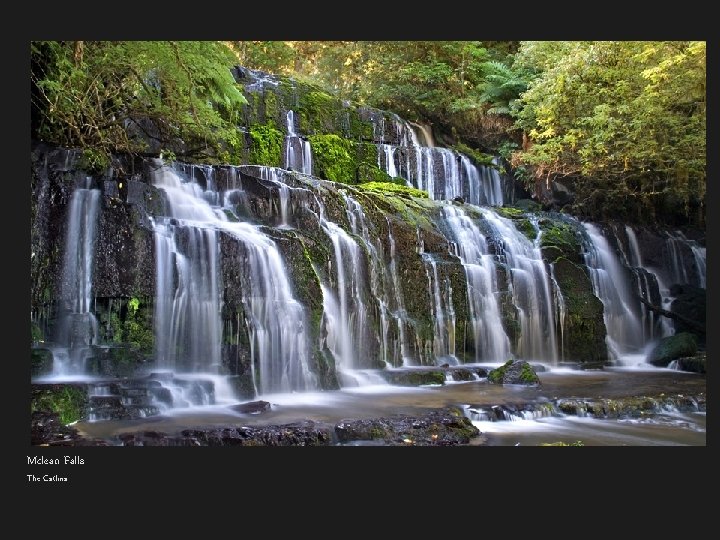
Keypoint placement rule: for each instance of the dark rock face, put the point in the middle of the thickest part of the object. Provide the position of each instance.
(671, 348)
(514, 372)
(694, 364)
(690, 303)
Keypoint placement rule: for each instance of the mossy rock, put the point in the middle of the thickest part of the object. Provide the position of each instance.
(68, 401)
(695, 364)
(514, 372)
(41, 362)
(583, 329)
(559, 240)
(266, 145)
(671, 348)
(394, 189)
(414, 377)
(333, 158)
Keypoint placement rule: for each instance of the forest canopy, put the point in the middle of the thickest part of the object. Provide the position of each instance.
(622, 123)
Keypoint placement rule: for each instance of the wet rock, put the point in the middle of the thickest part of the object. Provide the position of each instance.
(252, 407)
(413, 377)
(41, 362)
(631, 407)
(670, 348)
(444, 427)
(690, 303)
(514, 372)
(694, 364)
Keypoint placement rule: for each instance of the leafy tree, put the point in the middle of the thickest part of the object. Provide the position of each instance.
(129, 96)
(624, 121)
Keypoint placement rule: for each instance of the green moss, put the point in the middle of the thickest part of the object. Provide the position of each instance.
(357, 128)
(509, 212)
(559, 240)
(527, 375)
(476, 155)
(93, 161)
(496, 375)
(271, 106)
(583, 336)
(395, 189)
(333, 158)
(526, 227)
(138, 328)
(266, 145)
(414, 377)
(69, 402)
(41, 362)
(318, 112)
(128, 322)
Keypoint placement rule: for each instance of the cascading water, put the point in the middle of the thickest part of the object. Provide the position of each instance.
(625, 338)
(441, 172)
(489, 337)
(682, 270)
(345, 310)
(399, 314)
(648, 286)
(530, 289)
(298, 153)
(443, 314)
(484, 184)
(77, 326)
(188, 301)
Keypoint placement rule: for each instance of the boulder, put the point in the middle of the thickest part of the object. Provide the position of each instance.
(671, 348)
(514, 372)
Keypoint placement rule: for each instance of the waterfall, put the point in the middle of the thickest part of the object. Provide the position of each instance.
(188, 298)
(77, 326)
(379, 280)
(530, 289)
(686, 269)
(443, 173)
(443, 314)
(426, 133)
(491, 341)
(451, 175)
(298, 154)
(625, 337)
(345, 310)
(400, 315)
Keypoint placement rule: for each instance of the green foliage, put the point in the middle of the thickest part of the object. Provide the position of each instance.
(333, 158)
(630, 115)
(266, 146)
(560, 237)
(393, 188)
(67, 401)
(93, 160)
(115, 96)
(502, 85)
(270, 56)
(319, 112)
(479, 157)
